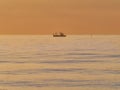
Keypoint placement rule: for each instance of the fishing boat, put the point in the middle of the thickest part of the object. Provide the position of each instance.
(59, 34)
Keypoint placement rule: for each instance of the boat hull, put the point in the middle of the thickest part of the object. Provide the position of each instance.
(59, 35)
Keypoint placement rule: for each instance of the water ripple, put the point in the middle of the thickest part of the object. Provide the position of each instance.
(54, 61)
(61, 83)
(61, 70)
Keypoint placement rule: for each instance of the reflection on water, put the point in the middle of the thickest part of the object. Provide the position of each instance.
(69, 63)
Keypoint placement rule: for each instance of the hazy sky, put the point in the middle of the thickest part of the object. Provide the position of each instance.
(68, 16)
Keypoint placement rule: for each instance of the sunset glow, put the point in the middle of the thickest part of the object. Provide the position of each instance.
(68, 16)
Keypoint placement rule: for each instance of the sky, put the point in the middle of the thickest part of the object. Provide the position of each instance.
(68, 16)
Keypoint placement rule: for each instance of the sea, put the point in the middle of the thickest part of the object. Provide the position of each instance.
(75, 62)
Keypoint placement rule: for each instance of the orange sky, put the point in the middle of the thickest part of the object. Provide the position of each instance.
(68, 16)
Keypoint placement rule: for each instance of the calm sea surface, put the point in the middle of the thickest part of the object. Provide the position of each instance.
(61, 63)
